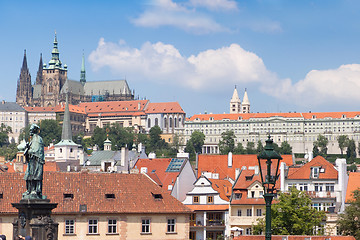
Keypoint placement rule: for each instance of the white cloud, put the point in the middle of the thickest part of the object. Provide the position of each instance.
(163, 63)
(168, 13)
(322, 87)
(215, 4)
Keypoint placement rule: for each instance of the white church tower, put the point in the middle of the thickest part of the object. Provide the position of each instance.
(245, 103)
(235, 102)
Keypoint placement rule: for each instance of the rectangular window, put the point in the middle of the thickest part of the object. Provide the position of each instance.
(145, 226)
(171, 225)
(210, 199)
(318, 187)
(93, 226)
(329, 187)
(258, 212)
(315, 172)
(69, 226)
(112, 226)
(249, 212)
(195, 199)
(239, 212)
(252, 194)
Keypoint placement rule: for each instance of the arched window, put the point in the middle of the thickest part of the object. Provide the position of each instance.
(170, 122)
(60, 150)
(156, 122)
(165, 123)
(179, 121)
(149, 123)
(175, 122)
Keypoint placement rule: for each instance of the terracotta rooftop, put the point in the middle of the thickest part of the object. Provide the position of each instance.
(223, 187)
(156, 169)
(100, 192)
(304, 172)
(353, 184)
(164, 107)
(247, 116)
(219, 164)
(115, 106)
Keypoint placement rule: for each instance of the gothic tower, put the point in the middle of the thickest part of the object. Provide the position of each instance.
(54, 77)
(235, 102)
(39, 76)
(82, 72)
(24, 88)
(246, 103)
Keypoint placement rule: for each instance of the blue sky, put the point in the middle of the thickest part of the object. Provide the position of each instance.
(290, 55)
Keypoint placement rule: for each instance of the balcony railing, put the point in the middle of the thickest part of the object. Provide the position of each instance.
(215, 222)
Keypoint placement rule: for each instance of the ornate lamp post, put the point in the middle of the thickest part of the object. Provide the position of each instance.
(265, 159)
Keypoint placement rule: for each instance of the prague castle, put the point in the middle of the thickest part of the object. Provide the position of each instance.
(52, 84)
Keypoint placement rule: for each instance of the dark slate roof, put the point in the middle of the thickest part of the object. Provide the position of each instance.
(97, 156)
(101, 87)
(10, 107)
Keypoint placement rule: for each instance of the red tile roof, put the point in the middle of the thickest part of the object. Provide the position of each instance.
(219, 164)
(48, 167)
(247, 116)
(304, 172)
(72, 108)
(158, 166)
(223, 187)
(115, 106)
(40, 109)
(164, 107)
(134, 193)
(353, 184)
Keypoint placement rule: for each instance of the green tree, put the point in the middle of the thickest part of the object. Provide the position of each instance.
(351, 151)
(239, 149)
(259, 147)
(120, 136)
(155, 142)
(343, 142)
(9, 151)
(194, 144)
(250, 148)
(4, 134)
(349, 221)
(50, 131)
(176, 142)
(285, 148)
(320, 146)
(98, 137)
(227, 142)
(292, 215)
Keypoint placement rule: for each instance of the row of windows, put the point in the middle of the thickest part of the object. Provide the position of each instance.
(112, 228)
(318, 187)
(196, 199)
(249, 212)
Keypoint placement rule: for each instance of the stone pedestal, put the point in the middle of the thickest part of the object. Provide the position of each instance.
(35, 220)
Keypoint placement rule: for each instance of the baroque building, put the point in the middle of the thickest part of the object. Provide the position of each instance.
(52, 84)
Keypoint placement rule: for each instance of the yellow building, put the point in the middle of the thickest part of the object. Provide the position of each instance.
(101, 206)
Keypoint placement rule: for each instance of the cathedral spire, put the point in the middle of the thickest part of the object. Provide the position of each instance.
(39, 76)
(55, 60)
(24, 88)
(82, 72)
(24, 65)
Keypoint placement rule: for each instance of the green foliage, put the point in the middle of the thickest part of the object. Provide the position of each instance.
(292, 215)
(156, 143)
(352, 168)
(227, 142)
(342, 141)
(4, 137)
(320, 146)
(98, 137)
(349, 221)
(50, 131)
(351, 151)
(250, 148)
(194, 144)
(259, 147)
(9, 151)
(285, 148)
(239, 149)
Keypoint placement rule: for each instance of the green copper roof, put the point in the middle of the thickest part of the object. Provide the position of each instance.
(55, 62)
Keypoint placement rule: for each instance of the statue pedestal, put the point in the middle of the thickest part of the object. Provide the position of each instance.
(35, 220)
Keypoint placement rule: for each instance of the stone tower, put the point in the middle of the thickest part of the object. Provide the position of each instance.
(24, 87)
(245, 106)
(235, 103)
(54, 77)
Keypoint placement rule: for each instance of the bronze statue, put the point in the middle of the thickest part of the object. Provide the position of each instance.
(35, 159)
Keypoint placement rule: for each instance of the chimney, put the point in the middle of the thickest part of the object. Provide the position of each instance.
(282, 176)
(230, 159)
(123, 156)
(237, 172)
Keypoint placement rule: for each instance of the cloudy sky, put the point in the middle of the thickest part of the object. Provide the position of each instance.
(289, 55)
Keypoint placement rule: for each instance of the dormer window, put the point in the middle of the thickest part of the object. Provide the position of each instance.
(68, 196)
(157, 196)
(315, 172)
(237, 196)
(110, 196)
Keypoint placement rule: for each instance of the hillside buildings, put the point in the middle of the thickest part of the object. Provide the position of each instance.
(52, 84)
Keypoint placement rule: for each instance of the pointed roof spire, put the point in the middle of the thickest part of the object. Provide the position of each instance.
(55, 61)
(82, 72)
(24, 65)
(246, 99)
(39, 73)
(66, 133)
(235, 97)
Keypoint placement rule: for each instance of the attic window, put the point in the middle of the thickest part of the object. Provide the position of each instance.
(68, 196)
(1, 195)
(83, 208)
(249, 178)
(157, 196)
(109, 196)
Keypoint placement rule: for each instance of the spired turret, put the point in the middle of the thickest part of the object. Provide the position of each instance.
(24, 87)
(235, 102)
(245, 103)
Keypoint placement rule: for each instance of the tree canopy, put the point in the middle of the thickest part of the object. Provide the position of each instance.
(349, 221)
(227, 142)
(292, 215)
(320, 146)
(342, 141)
(194, 144)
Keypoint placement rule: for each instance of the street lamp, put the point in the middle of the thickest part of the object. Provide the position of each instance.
(266, 158)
